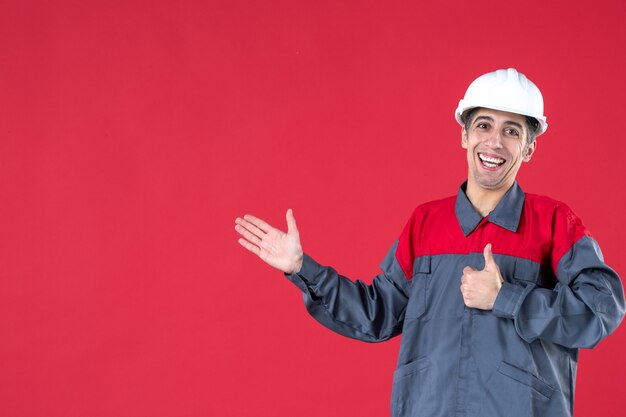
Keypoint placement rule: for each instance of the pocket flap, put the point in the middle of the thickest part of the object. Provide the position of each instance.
(526, 270)
(526, 378)
(411, 368)
(421, 265)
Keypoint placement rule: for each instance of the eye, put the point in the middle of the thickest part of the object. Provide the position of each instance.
(482, 126)
(511, 132)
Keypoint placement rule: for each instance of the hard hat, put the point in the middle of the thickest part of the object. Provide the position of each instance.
(505, 90)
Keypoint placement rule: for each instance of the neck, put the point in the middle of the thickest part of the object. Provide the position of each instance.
(484, 201)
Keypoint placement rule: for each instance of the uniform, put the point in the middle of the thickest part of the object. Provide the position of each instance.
(518, 359)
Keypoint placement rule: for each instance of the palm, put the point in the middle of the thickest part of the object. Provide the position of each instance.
(277, 248)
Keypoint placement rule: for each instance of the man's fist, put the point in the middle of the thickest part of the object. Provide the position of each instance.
(480, 288)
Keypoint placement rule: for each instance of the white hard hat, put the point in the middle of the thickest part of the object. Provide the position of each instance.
(505, 90)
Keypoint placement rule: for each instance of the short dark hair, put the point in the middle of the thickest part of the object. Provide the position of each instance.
(532, 124)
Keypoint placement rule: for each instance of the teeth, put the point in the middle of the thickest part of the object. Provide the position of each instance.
(490, 160)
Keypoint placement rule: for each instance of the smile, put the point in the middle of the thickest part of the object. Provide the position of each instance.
(491, 161)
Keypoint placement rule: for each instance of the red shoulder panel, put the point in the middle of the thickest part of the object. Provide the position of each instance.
(547, 230)
(568, 229)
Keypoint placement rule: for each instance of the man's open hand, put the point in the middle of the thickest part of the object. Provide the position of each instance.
(480, 288)
(279, 249)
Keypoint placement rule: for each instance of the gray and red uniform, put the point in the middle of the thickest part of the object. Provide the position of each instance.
(518, 359)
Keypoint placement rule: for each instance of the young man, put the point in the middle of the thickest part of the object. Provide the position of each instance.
(494, 290)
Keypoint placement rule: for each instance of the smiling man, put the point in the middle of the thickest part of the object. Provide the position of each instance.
(494, 290)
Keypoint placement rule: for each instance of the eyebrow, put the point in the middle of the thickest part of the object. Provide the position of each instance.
(508, 122)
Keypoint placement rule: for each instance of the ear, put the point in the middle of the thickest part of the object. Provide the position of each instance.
(529, 151)
(463, 138)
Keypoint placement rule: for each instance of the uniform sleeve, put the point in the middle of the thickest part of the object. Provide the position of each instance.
(585, 306)
(371, 313)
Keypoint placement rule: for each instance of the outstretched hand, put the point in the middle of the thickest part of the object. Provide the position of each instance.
(277, 248)
(480, 288)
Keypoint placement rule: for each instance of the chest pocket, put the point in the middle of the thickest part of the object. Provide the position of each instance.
(527, 272)
(419, 288)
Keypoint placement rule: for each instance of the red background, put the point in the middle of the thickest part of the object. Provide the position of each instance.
(132, 133)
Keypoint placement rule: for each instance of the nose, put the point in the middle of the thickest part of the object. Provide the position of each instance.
(495, 140)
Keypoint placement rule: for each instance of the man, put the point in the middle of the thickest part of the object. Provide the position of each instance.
(494, 290)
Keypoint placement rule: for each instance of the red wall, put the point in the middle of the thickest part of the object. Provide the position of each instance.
(132, 133)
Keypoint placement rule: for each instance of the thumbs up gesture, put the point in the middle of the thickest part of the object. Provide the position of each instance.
(480, 288)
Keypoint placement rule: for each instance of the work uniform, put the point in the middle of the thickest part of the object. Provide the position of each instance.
(518, 359)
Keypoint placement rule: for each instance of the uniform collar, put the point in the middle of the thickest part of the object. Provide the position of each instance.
(506, 214)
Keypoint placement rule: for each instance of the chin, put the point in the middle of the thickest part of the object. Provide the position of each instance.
(491, 185)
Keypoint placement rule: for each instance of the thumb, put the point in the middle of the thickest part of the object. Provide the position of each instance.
(291, 222)
(490, 263)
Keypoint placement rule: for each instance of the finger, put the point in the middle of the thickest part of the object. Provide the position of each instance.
(252, 248)
(258, 223)
(251, 228)
(490, 263)
(291, 222)
(468, 270)
(252, 238)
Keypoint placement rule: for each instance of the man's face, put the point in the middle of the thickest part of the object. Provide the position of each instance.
(496, 147)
